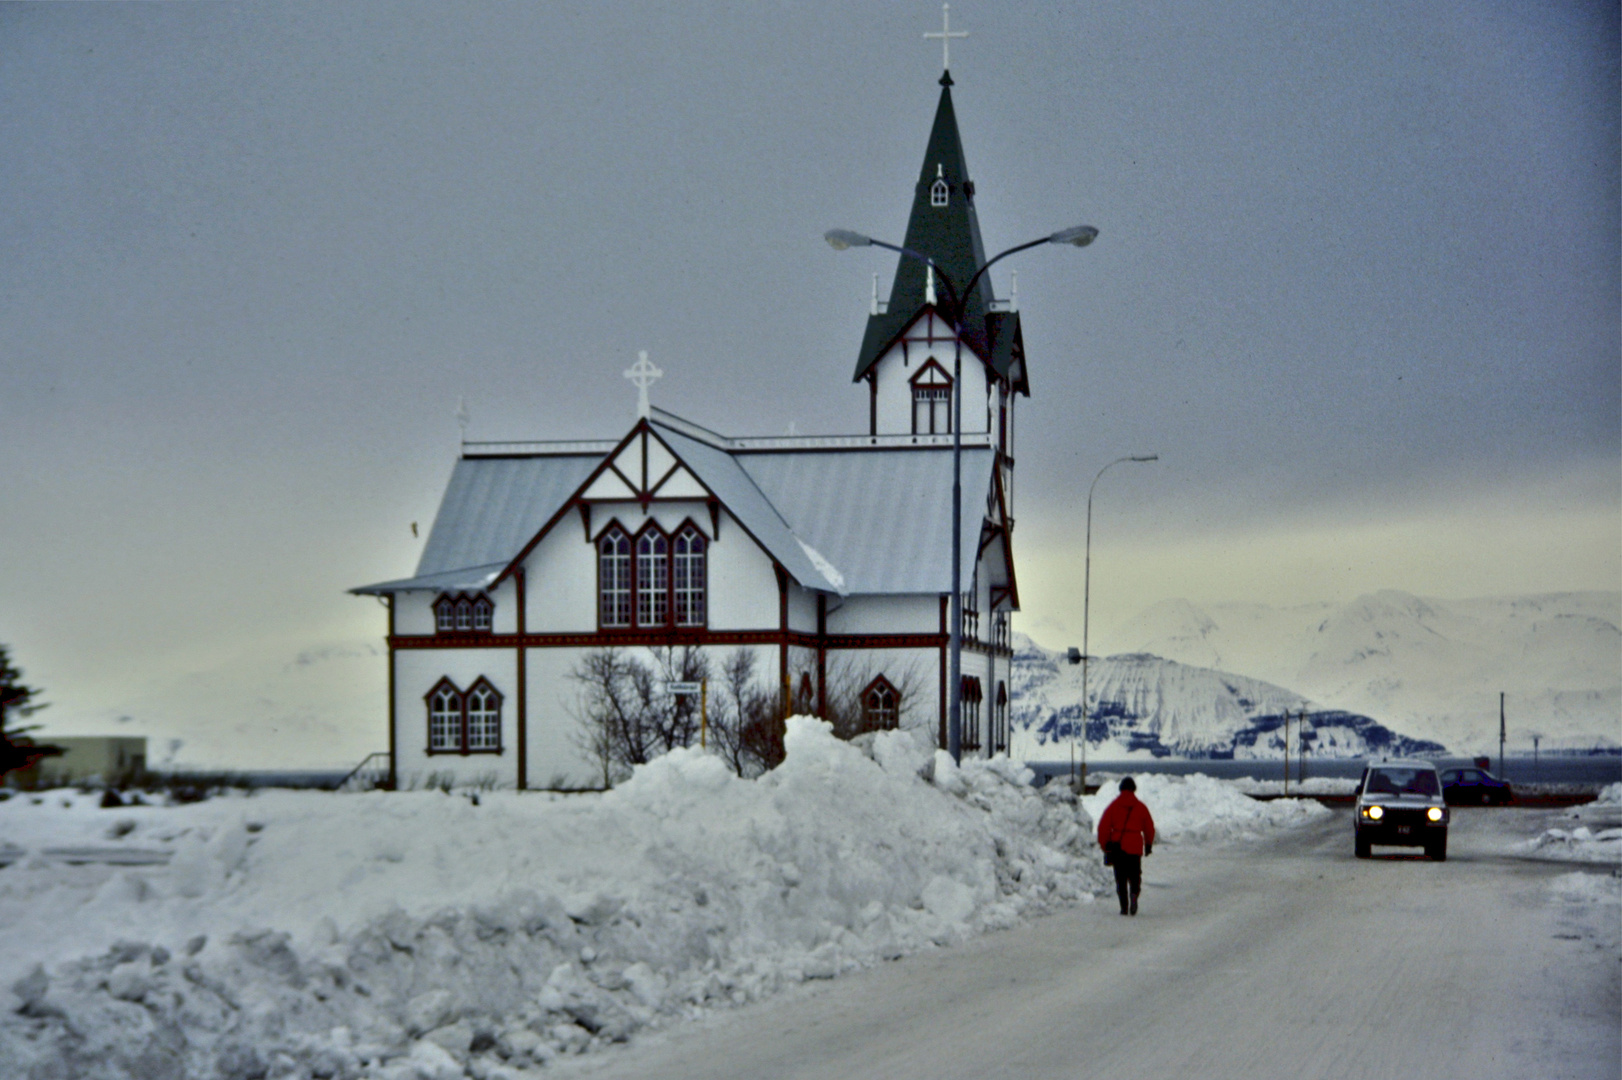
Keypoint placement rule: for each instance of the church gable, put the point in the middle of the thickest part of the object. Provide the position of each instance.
(643, 468)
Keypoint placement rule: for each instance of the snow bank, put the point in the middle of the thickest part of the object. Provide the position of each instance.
(1581, 844)
(423, 935)
(1199, 807)
(1610, 795)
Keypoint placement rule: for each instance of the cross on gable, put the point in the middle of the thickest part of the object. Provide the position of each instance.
(946, 35)
(643, 375)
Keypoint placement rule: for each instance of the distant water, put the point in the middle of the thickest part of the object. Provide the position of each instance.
(1596, 769)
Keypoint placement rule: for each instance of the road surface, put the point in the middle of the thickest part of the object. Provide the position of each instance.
(1286, 957)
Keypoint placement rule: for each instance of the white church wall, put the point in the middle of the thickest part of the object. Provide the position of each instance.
(896, 369)
(885, 615)
(560, 577)
(414, 612)
(554, 729)
(743, 582)
(416, 671)
(802, 609)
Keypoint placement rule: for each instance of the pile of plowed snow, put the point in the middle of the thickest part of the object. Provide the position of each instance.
(423, 935)
(1199, 807)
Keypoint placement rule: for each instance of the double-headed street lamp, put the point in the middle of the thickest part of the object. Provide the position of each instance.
(839, 240)
(1086, 604)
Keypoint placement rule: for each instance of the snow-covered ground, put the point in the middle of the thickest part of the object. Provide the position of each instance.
(424, 934)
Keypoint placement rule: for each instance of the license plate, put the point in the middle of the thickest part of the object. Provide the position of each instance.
(1402, 830)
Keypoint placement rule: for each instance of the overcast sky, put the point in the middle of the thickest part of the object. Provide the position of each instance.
(1357, 285)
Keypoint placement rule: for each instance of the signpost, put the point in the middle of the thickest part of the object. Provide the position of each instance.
(702, 690)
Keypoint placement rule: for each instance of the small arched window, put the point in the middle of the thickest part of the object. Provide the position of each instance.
(463, 614)
(881, 706)
(938, 192)
(970, 702)
(689, 574)
(614, 577)
(999, 721)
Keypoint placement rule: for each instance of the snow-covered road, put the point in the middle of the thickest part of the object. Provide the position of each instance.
(1286, 957)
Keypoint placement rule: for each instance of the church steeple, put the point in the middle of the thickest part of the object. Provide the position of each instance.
(944, 226)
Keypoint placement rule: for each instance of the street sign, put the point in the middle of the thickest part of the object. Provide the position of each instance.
(683, 689)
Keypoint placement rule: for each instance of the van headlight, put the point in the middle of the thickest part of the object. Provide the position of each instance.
(1434, 813)
(1374, 813)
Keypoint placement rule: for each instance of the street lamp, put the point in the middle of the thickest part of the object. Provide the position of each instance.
(1086, 605)
(840, 240)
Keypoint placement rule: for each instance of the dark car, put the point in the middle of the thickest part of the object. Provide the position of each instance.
(1475, 786)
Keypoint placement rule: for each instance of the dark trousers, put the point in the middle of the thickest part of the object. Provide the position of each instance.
(1128, 877)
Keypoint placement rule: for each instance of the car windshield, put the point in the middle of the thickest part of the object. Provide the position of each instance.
(1402, 782)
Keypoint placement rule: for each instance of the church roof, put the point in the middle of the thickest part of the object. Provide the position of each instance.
(949, 234)
(881, 517)
(846, 516)
(492, 507)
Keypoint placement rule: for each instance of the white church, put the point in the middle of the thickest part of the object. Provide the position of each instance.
(819, 553)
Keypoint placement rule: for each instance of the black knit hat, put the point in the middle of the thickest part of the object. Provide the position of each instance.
(1129, 784)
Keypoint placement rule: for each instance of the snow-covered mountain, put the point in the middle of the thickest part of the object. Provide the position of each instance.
(1144, 704)
(1430, 668)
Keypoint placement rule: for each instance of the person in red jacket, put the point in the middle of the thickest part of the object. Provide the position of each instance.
(1126, 832)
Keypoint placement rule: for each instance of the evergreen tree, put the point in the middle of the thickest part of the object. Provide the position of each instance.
(18, 700)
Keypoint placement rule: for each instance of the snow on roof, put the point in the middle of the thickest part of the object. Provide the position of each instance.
(468, 578)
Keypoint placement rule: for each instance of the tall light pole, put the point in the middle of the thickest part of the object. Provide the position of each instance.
(839, 240)
(1086, 599)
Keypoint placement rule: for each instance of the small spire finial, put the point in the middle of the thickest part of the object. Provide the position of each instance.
(643, 375)
(462, 417)
(946, 35)
(929, 284)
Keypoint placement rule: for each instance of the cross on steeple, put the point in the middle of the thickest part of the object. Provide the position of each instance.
(643, 375)
(946, 35)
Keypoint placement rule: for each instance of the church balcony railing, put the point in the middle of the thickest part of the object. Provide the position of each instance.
(540, 448)
(843, 442)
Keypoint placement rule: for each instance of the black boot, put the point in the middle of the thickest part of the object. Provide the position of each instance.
(1134, 907)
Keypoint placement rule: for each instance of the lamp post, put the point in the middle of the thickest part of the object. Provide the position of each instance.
(1086, 599)
(839, 240)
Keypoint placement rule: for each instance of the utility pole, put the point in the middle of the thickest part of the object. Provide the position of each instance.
(1301, 741)
(1500, 735)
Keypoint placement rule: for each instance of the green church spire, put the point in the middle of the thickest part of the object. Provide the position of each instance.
(943, 226)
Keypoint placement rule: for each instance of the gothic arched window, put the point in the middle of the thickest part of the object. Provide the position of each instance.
(932, 401)
(464, 723)
(652, 578)
(881, 706)
(614, 577)
(444, 718)
(938, 192)
(483, 717)
(688, 566)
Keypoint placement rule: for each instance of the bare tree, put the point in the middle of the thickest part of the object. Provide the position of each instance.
(746, 719)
